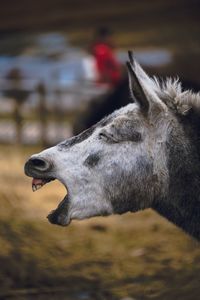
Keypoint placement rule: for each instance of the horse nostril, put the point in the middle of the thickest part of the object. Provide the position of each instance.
(36, 166)
(39, 164)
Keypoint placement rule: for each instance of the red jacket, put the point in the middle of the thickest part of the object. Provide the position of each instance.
(107, 65)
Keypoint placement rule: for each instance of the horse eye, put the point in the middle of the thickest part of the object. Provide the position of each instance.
(107, 137)
(103, 136)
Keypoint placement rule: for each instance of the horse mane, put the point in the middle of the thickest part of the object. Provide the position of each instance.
(171, 92)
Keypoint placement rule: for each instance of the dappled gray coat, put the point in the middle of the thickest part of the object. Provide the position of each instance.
(146, 154)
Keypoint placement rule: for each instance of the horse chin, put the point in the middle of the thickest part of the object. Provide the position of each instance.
(60, 216)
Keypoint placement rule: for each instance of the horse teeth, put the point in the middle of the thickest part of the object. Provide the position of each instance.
(36, 187)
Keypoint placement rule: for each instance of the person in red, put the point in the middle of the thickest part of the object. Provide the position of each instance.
(108, 68)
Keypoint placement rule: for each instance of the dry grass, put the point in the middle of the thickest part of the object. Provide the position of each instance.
(141, 256)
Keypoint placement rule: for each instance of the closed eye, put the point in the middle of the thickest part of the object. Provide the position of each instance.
(103, 136)
(107, 137)
(120, 136)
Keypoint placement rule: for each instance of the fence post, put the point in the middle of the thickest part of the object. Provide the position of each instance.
(19, 96)
(42, 113)
(18, 120)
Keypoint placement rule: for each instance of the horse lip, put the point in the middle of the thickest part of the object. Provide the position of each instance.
(60, 216)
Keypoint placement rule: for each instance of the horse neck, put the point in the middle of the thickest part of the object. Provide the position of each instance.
(182, 204)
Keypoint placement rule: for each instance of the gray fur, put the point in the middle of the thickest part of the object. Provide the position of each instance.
(144, 155)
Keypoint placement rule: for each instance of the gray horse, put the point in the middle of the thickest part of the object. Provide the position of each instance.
(144, 155)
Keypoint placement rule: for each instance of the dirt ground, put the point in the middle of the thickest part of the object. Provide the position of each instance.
(140, 256)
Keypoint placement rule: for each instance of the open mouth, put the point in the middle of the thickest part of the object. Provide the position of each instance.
(40, 169)
(58, 216)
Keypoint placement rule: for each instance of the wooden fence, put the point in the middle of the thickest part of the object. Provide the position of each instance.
(45, 111)
(19, 96)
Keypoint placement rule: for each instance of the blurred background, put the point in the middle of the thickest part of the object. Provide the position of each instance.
(55, 82)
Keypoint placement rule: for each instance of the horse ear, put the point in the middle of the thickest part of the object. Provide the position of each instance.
(144, 90)
(136, 89)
